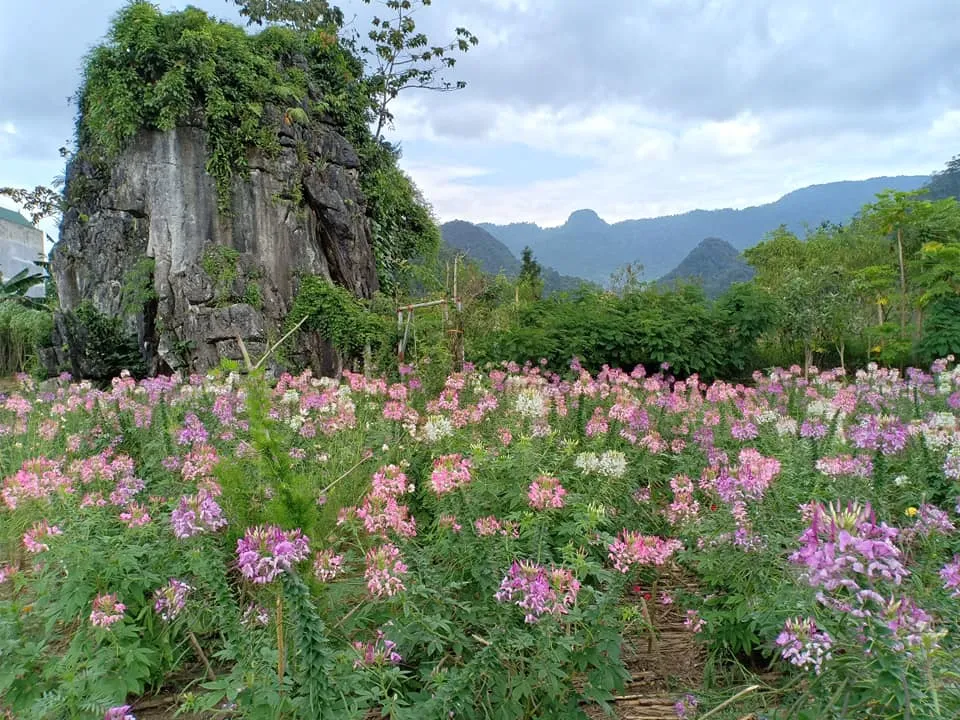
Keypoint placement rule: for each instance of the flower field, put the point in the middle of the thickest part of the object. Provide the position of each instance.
(478, 546)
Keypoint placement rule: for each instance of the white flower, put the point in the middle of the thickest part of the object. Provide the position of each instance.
(786, 426)
(901, 480)
(436, 428)
(530, 403)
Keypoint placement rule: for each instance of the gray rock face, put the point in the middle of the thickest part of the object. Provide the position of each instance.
(217, 275)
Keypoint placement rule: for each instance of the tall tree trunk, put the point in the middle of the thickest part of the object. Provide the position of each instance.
(903, 285)
(807, 359)
(841, 347)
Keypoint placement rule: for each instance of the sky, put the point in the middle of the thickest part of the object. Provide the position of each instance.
(634, 108)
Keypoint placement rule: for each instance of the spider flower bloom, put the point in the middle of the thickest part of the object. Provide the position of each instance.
(539, 591)
(950, 574)
(631, 548)
(40, 530)
(196, 514)
(390, 482)
(326, 565)
(449, 473)
(265, 552)
(120, 712)
(384, 571)
(106, 611)
(546, 492)
(804, 645)
(376, 652)
(171, 599)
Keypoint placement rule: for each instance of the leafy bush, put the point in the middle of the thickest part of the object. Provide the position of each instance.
(23, 332)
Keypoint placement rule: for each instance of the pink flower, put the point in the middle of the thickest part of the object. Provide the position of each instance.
(693, 622)
(449, 473)
(546, 492)
(486, 526)
(450, 522)
(384, 571)
(40, 530)
(326, 565)
(390, 482)
(265, 552)
(106, 611)
(631, 548)
(135, 515)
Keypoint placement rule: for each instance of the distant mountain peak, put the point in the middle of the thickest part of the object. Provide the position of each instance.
(585, 220)
(714, 263)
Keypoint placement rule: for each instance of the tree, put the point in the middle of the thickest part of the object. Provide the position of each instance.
(16, 288)
(41, 202)
(530, 274)
(299, 14)
(403, 59)
(946, 182)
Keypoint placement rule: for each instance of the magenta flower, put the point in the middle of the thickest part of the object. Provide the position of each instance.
(384, 571)
(106, 611)
(135, 515)
(685, 707)
(197, 514)
(539, 591)
(265, 552)
(171, 599)
(120, 712)
(546, 492)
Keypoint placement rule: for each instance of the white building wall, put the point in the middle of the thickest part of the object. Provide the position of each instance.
(20, 246)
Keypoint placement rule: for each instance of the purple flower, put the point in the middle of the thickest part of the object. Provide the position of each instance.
(539, 591)
(120, 712)
(685, 707)
(171, 599)
(950, 574)
(265, 552)
(197, 514)
(803, 645)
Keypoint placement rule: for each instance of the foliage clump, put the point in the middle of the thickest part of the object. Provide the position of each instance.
(336, 314)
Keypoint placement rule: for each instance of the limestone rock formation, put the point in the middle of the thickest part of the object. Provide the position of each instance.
(216, 274)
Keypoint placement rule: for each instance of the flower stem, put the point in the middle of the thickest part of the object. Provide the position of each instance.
(203, 658)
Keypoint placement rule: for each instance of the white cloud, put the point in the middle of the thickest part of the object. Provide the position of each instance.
(8, 128)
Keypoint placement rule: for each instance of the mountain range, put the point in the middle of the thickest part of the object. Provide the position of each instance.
(588, 247)
(494, 257)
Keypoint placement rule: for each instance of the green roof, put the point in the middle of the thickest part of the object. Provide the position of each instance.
(14, 217)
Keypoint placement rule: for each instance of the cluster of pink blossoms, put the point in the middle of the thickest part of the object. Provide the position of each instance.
(846, 466)
(631, 549)
(106, 611)
(170, 599)
(684, 507)
(33, 538)
(546, 492)
(380, 515)
(265, 552)
(36, 479)
(802, 644)
(490, 525)
(377, 652)
(196, 514)
(390, 482)
(384, 571)
(449, 473)
(538, 590)
(135, 515)
(327, 565)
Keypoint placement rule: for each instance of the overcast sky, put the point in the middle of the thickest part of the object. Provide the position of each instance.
(634, 108)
